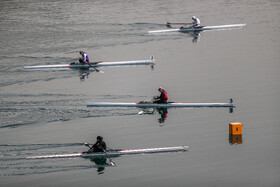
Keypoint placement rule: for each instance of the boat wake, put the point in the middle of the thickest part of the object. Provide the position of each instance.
(13, 159)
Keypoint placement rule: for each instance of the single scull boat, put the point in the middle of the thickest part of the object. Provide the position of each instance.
(202, 28)
(116, 153)
(159, 105)
(96, 64)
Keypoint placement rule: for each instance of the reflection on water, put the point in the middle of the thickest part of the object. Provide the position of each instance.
(84, 73)
(13, 161)
(163, 112)
(196, 36)
(101, 163)
(235, 139)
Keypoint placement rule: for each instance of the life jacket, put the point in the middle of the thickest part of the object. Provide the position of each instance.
(165, 94)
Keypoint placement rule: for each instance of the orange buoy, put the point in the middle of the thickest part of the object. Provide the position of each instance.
(235, 128)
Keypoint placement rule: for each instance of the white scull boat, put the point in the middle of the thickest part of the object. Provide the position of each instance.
(159, 105)
(115, 153)
(96, 64)
(202, 28)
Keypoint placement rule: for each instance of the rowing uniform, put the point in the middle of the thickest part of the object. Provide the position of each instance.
(99, 146)
(84, 59)
(196, 23)
(162, 98)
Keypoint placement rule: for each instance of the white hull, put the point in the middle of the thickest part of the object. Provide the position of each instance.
(155, 105)
(99, 64)
(115, 153)
(219, 27)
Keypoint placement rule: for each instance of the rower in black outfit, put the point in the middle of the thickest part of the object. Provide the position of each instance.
(99, 146)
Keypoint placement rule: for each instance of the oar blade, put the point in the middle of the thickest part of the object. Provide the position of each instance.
(86, 144)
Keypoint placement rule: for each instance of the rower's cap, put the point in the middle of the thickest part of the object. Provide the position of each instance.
(193, 17)
(99, 138)
(160, 89)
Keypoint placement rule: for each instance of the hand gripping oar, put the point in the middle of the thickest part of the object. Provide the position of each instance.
(111, 163)
(104, 151)
(88, 145)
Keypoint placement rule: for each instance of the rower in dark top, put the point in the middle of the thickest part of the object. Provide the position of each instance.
(99, 146)
(163, 96)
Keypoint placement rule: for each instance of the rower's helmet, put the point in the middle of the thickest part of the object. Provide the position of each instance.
(99, 138)
(193, 17)
(160, 89)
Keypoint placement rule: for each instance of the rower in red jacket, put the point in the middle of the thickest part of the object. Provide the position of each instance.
(163, 96)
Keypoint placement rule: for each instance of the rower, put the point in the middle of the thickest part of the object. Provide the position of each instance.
(99, 146)
(196, 22)
(84, 59)
(163, 96)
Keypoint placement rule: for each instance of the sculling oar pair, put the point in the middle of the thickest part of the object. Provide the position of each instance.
(88, 145)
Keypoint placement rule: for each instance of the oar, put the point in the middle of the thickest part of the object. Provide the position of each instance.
(88, 145)
(168, 23)
(97, 70)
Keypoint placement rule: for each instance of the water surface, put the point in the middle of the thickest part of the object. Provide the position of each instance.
(44, 112)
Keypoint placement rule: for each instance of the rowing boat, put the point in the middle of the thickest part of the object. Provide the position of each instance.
(159, 105)
(96, 64)
(116, 153)
(202, 28)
